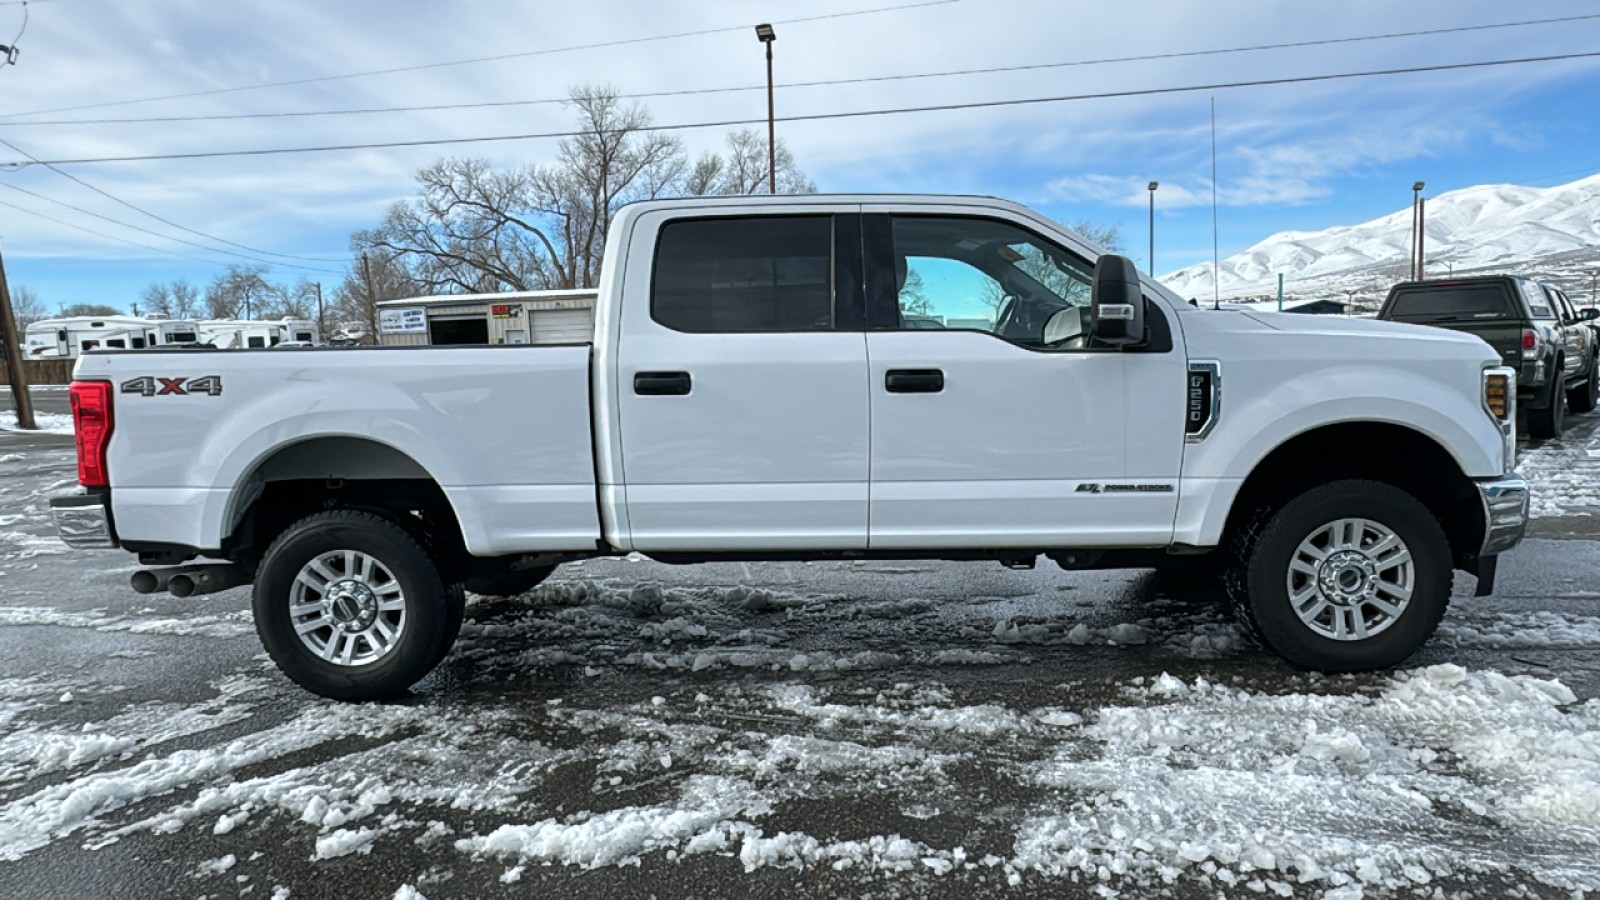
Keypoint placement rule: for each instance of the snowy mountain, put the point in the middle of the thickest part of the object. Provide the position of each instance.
(1553, 232)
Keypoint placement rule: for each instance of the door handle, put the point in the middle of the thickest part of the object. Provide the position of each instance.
(661, 384)
(914, 381)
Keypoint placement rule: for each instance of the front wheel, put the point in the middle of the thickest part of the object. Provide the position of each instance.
(1348, 577)
(351, 607)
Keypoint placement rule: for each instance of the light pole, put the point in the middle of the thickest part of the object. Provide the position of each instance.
(767, 36)
(1153, 186)
(1416, 201)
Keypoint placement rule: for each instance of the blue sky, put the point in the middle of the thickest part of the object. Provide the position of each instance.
(1291, 157)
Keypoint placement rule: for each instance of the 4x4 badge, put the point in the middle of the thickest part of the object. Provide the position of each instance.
(149, 386)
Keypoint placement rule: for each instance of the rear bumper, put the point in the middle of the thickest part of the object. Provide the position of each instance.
(1505, 512)
(83, 521)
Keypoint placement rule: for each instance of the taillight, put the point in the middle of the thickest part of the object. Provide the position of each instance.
(1529, 338)
(91, 422)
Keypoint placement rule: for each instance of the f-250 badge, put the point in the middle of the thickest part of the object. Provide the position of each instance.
(149, 386)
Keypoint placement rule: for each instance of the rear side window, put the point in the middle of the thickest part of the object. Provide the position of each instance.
(1538, 303)
(746, 274)
(1453, 303)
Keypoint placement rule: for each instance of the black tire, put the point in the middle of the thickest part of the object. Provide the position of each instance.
(427, 606)
(507, 583)
(455, 614)
(1546, 421)
(1270, 612)
(1581, 399)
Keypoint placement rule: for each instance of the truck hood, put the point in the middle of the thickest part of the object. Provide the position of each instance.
(1349, 326)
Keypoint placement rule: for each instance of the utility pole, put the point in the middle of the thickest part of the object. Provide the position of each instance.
(372, 307)
(1416, 197)
(1152, 258)
(1422, 237)
(322, 327)
(9, 347)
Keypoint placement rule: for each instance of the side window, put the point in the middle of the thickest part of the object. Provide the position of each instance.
(1538, 303)
(302, 336)
(138, 343)
(257, 342)
(744, 274)
(90, 345)
(990, 276)
(1567, 315)
(118, 343)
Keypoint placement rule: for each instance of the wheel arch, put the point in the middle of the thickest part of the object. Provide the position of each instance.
(1385, 452)
(309, 474)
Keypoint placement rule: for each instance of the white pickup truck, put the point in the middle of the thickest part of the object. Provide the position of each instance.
(816, 377)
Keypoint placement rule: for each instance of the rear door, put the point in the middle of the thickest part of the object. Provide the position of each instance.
(742, 382)
(995, 422)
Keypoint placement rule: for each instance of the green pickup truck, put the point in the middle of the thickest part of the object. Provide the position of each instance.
(1532, 326)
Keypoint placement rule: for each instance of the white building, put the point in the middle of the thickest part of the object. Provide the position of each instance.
(519, 317)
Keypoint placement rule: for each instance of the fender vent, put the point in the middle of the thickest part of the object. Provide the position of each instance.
(1202, 400)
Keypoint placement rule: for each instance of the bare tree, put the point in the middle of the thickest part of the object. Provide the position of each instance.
(743, 170)
(89, 309)
(239, 293)
(26, 308)
(155, 299)
(185, 299)
(476, 229)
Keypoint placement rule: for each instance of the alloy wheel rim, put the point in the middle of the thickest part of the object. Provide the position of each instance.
(347, 608)
(1351, 579)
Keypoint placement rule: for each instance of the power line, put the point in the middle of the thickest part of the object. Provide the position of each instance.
(109, 237)
(832, 82)
(817, 117)
(483, 59)
(166, 221)
(166, 237)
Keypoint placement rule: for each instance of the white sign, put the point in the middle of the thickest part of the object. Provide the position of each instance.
(409, 320)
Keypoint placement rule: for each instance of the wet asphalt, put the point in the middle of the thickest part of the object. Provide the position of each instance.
(887, 622)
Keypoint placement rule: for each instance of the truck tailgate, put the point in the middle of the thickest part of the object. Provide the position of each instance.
(504, 431)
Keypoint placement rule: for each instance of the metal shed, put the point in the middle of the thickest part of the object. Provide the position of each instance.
(520, 317)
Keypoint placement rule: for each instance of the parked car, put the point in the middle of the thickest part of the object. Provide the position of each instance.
(753, 391)
(1581, 350)
(1553, 353)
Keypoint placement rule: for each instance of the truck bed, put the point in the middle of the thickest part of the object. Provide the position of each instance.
(505, 431)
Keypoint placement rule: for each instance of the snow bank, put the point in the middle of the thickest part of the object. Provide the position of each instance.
(49, 423)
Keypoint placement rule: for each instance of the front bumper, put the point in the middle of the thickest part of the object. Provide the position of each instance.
(1505, 512)
(83, 521)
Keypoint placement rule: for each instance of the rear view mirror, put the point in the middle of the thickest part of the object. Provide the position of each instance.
(1117, 301)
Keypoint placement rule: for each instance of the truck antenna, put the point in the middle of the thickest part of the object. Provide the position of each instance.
(1216, 256)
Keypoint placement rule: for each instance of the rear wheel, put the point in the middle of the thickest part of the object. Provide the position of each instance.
(1546, 421)
(1347, 577)
(350, 606)
(1581, 399)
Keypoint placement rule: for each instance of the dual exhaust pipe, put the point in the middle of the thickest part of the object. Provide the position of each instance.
(189, 581)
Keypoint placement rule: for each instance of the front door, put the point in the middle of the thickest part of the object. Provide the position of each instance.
(996, 421)
(742, 384)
